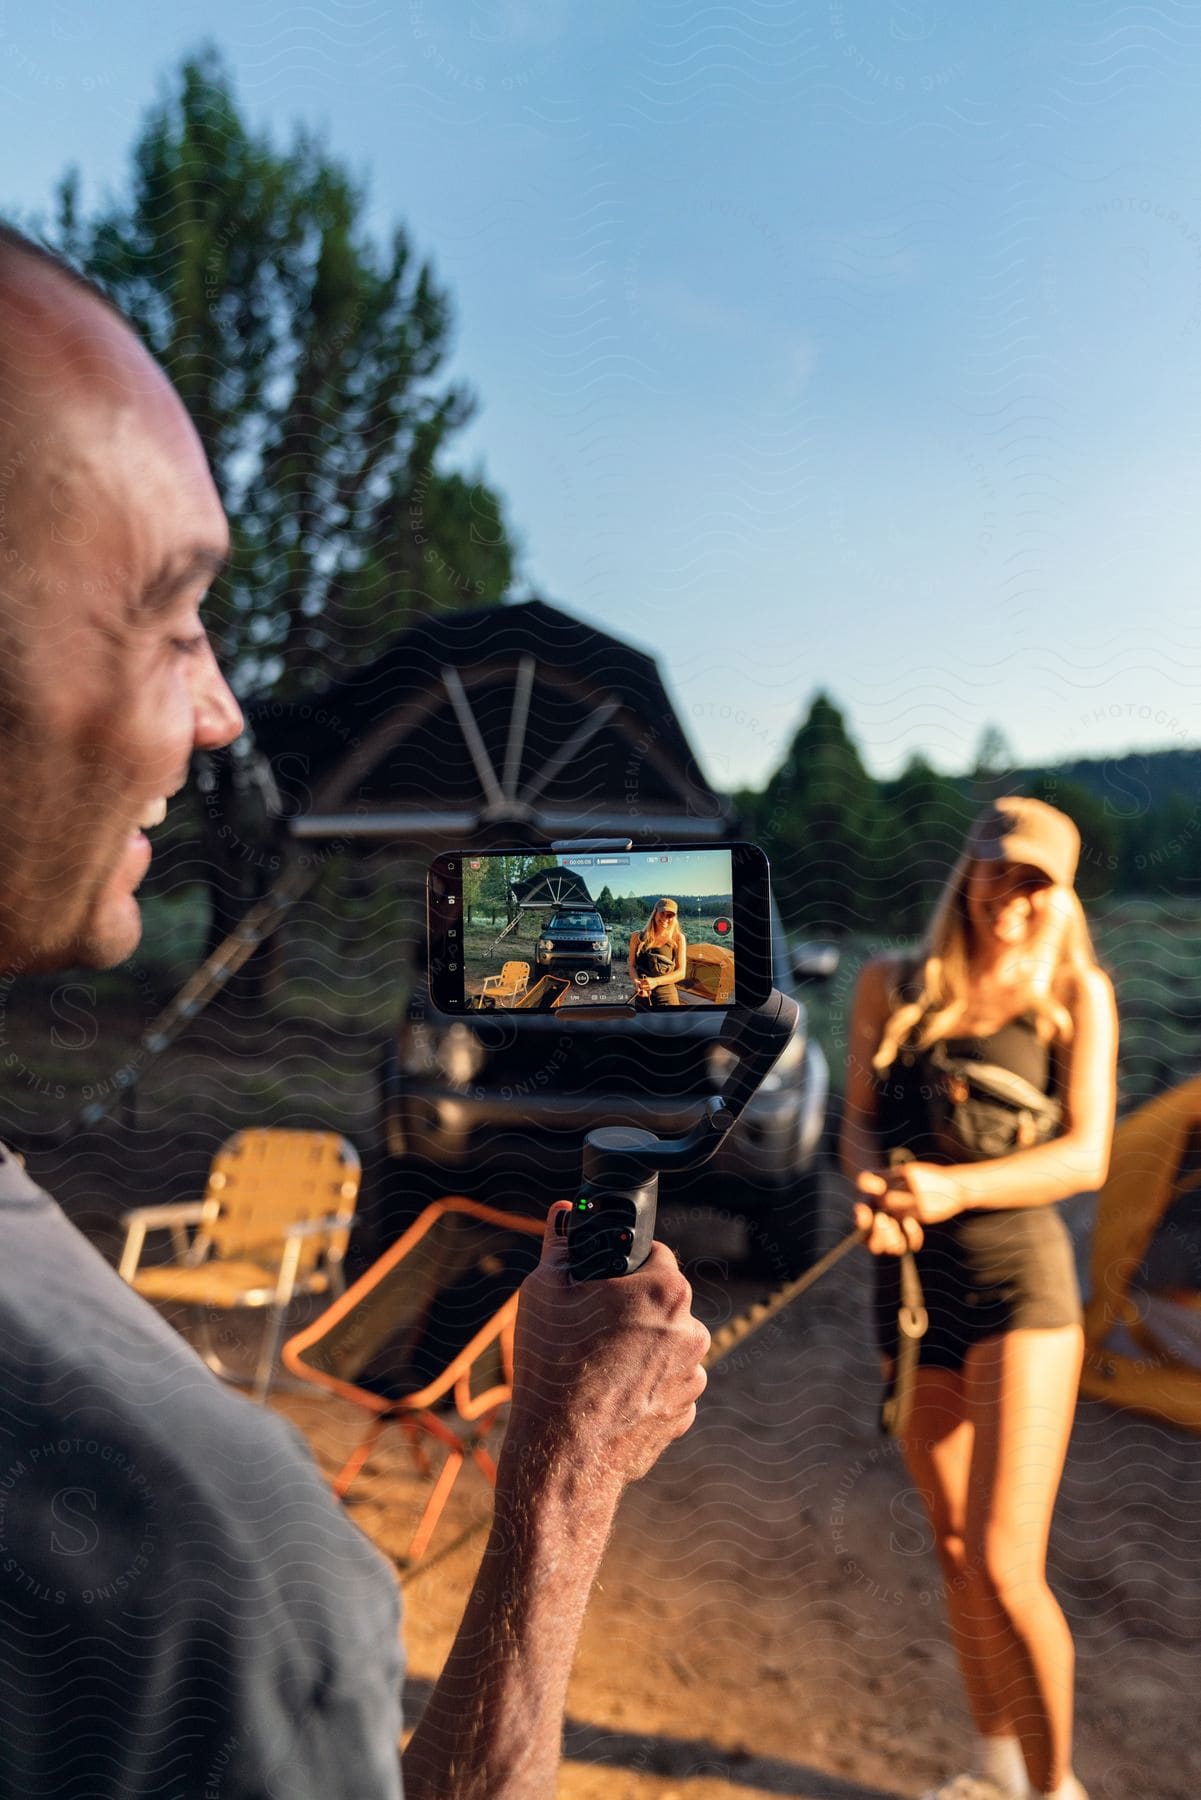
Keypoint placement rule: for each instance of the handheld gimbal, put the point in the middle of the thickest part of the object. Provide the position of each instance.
(612, 1222)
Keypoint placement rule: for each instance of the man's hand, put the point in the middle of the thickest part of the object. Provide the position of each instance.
(606, 1373)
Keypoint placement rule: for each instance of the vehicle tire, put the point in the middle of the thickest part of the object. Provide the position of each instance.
(784, 1230)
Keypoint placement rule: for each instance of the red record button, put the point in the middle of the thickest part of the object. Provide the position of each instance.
(722, 927)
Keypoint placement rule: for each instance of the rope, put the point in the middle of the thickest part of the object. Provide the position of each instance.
(741, 1328)
(723, 1341)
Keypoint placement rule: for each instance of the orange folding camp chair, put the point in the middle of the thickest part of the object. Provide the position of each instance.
(424, 1340)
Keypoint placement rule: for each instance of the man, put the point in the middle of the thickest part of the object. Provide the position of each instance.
(183, 1609)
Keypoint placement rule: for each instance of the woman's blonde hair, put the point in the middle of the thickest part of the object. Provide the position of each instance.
(927, 1005)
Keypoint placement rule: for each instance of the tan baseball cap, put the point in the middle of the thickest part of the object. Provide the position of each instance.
(666, 906)
(1020, 830)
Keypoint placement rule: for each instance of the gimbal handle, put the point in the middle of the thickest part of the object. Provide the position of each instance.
(612, 1222)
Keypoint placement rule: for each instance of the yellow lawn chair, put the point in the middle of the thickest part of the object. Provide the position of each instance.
(512, 981)
(274, 1222)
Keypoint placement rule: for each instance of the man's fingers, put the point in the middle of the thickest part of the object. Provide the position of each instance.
(554, 1238)
(869, 1182)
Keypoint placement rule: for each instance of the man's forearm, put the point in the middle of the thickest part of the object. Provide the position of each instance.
(493, 1726)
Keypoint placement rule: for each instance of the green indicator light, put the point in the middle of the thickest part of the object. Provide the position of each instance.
(581, 1206)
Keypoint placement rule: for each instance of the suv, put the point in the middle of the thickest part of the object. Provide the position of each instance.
(497, 1107)
(574, 942)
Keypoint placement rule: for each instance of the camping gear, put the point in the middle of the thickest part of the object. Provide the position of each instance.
(274, 1222)
(510, 984)
(483, 726)
(1142, 1322)
(710, 973)
(728, 1338)
(424, 1340)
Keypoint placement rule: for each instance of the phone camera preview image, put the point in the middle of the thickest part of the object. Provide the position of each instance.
(649, 929)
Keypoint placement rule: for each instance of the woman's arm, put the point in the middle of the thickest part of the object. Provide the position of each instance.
(860, 1155)
(1074, 1163)
(858, 1143)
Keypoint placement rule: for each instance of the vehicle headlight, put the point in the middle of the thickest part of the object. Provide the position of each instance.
(460, 1054)
(722, 1063)
(597, 944)
(419, 1049)
(786, 1066)
(455, 1052)
(544, 944)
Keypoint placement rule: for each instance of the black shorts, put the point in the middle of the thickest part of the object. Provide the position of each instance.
(983, 1274)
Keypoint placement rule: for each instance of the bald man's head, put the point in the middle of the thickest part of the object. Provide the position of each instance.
(46, 311)
(110, 530)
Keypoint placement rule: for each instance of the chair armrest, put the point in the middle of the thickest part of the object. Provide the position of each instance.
(334, 1225)
(310, 1227)
(182, 1212)
(172, 1218)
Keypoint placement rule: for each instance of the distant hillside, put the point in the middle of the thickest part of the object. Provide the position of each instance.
(1135, 783)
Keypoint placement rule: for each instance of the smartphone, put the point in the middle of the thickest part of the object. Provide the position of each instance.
(657, 927)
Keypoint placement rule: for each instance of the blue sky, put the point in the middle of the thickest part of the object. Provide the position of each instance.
(845, 343)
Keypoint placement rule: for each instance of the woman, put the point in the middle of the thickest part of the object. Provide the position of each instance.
(659, 957)
(1006, 975)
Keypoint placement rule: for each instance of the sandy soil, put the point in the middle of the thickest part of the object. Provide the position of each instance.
(769, 1620)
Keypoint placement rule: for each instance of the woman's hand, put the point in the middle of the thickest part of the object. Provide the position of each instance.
(922, 1191)
(886, 1236)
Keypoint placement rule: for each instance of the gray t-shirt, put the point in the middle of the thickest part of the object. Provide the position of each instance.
(185, 1611)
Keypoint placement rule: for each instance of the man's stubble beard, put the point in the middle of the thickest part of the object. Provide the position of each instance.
(49, 896)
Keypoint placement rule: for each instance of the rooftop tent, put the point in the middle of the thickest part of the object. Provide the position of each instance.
(1143, 1319)
(511, 723)
(551, 887)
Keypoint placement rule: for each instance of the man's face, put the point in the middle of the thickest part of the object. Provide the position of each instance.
(110, 535)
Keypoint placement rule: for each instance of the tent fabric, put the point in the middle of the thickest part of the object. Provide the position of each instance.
(508, 713)
(552, 887)
(710, 972)
(1143, 1319)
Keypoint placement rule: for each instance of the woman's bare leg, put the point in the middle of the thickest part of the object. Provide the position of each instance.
(939, 1445)
(1020, 1392)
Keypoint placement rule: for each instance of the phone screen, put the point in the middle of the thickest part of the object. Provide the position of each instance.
(653, 928)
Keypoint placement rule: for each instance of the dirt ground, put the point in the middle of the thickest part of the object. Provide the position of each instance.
(768, 1620)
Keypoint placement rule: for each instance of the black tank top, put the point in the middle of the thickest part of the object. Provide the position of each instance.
(904, 1092)
(1011, 1251)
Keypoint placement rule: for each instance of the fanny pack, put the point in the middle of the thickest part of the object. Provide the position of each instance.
(982, 1110)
